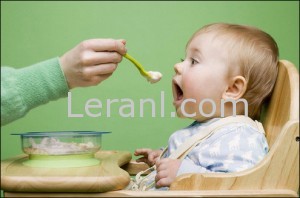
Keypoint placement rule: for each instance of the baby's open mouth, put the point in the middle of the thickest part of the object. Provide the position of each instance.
(178, 93)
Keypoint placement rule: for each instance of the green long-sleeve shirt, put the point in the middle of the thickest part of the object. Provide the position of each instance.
(25, 88)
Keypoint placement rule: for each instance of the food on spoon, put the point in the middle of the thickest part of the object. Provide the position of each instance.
(154, 76)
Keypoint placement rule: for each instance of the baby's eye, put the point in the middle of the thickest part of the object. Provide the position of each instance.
(194, 61)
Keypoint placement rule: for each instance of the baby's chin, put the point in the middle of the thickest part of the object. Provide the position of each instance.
(181, 115)
(197, 117)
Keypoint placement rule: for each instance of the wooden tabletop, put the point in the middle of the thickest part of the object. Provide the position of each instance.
(106, 176)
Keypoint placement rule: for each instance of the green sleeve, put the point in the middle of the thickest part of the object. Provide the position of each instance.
(26, 88)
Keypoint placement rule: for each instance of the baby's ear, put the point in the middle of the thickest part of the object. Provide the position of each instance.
(236, 88)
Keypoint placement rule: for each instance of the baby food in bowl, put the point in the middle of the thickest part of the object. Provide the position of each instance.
(61, 148)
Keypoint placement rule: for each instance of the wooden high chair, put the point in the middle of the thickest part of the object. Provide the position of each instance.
(277, 174)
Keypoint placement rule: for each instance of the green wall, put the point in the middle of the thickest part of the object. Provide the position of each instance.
(156, 34)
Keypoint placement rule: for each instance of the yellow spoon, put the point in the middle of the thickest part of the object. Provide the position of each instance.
(151, 76)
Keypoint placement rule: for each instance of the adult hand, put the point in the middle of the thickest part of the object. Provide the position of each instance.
(92, 61)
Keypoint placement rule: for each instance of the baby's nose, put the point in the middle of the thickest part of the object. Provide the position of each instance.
(178, 68)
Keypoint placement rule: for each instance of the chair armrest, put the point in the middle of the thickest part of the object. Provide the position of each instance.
(204, 181)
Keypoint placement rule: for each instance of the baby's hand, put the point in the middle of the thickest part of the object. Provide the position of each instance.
(166, 171)
(92, 61)
(150, 156)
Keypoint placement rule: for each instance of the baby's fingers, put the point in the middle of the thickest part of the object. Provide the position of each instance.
(142, 151)
(143, 159)
(164, 182)
(153, 156)
(162, 179)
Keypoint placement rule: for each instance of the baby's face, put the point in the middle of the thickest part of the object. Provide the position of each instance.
(202, 75)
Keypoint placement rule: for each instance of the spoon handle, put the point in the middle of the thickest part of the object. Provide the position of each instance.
(137, 65)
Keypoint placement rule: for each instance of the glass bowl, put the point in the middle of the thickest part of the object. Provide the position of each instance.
(61, 143)
(66, 147)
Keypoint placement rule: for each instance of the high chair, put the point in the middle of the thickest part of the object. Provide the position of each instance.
(277, 174)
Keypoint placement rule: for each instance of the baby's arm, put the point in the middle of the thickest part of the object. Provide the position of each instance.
(149, 156)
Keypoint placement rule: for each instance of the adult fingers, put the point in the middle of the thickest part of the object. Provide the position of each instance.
(105, 68)
(95, 58)
(100, 45)
(99, 70)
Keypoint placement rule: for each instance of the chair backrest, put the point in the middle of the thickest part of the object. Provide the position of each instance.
(284, 102)
(282, 130)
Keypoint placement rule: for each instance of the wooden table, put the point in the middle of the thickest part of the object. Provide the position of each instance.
(106, 176)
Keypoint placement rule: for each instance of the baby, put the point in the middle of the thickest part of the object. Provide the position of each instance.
(222, 62)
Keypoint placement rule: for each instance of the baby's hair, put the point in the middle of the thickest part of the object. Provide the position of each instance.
(256, 53)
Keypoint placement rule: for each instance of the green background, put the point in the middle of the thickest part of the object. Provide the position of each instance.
(156, 34)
